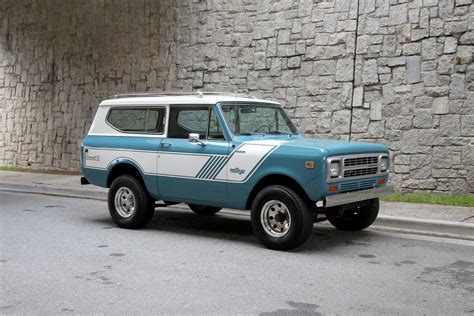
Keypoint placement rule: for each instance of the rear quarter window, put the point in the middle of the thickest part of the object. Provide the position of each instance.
(137, 120)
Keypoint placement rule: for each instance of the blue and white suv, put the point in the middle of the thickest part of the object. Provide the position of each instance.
(213, 150)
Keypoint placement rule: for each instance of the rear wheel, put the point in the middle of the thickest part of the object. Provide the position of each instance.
(356, 218)
(204, 210)
(280, 218)
(130, 205)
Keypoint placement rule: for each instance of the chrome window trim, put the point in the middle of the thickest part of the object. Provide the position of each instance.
(343, 168)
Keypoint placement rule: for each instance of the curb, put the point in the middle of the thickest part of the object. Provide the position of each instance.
(429, 227)
(53, 191)
(407, 225)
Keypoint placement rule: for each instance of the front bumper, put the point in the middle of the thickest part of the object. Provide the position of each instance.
(351, 197)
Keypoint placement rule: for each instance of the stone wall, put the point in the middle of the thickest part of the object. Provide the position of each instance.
(414, 89)
(397, 72)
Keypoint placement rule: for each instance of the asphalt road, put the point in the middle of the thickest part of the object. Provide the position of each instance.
(60, 255)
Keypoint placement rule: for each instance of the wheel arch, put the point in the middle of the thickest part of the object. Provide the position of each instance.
(276, 179)
(124, 167)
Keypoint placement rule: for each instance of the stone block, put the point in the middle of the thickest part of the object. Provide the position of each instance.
(376, 111)
(411, 48)
(457, 87)
(344, 69)
(330, 23)
(398, 14)
(420, 166)
(369, 72)
(308, 31)
(464, 55)
(360, 121)
(413, 69)
(467, 125)
(450, 125)
(341, 121)
(294, 62)
(306, 68)
(241, 23)
(440, 105)
(467, 38)
(358, 97)
(450, 45)
(409, 142)
(324, 67)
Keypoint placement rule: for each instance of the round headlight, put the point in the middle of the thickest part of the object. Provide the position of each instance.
(384, 164)
(334, 169)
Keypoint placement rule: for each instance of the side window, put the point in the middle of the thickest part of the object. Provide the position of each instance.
(201, 120)
(193, 119)
(137, 120)
(229, 114)
(156, 121)
(186, 120)
(215, 130)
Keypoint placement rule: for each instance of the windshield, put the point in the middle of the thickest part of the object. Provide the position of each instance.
(251, 119)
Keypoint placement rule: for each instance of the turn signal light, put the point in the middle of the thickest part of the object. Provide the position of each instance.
(381, 181)
(332, 188)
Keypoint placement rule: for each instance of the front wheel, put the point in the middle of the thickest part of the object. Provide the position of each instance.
(356, 218)
(280, 218)
(130, 205)
(204, 210)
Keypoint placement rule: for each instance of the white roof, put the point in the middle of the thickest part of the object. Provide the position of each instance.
(180, 99)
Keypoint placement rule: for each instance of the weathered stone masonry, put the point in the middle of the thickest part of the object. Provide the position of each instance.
(397, 72)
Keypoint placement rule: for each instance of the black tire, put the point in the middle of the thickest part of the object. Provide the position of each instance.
(298, 229)
(204, 210)
(144, 205)
(355, 219)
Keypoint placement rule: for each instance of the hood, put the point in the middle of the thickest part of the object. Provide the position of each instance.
(331, 147)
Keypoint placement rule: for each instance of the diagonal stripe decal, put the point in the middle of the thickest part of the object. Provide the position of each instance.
(206, 166)
(218, 168)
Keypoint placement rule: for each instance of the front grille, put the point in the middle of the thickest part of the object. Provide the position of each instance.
(356, 166)
(357, 185)
(360, 172)
(360, 161)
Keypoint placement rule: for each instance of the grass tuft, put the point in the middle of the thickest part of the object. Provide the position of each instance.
(456, 200)
(9, 168)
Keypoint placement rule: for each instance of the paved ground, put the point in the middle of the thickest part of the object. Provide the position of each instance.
(60, 255)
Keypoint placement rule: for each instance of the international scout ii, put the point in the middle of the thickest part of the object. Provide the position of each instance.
(214, 151)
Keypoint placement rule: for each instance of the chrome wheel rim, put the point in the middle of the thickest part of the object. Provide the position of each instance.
(275, 218)
(125, 202)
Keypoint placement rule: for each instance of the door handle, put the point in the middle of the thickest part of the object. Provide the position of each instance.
(165, 144)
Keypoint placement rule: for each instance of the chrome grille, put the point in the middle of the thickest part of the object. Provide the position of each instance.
(359, 161)
(356, 166)
(360, 172)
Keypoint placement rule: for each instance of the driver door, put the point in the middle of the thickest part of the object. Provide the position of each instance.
(187, 169)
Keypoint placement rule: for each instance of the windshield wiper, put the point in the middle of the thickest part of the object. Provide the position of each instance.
(280, 132)
(250, 134)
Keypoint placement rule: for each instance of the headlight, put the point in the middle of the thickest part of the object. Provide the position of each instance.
(334, 169)
(383, 164)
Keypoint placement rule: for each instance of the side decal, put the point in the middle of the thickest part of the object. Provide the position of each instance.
(238, 166)
(244, 162)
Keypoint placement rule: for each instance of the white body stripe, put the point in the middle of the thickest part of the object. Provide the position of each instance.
(102, 158)
(243, 161)
(173, 164)
(237, 167)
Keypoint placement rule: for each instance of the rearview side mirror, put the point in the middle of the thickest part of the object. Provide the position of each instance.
(194, 138)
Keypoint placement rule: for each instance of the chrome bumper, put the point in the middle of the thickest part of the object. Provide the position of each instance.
(351, 197)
